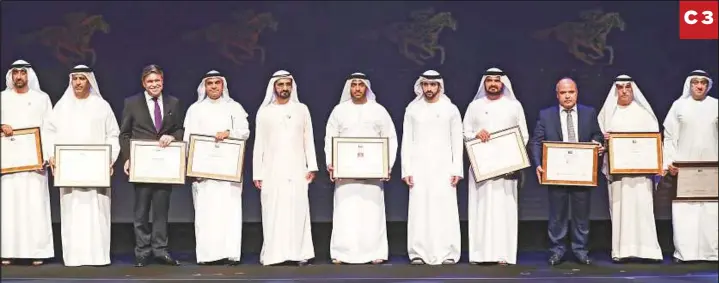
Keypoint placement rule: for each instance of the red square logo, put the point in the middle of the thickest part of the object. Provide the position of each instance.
(698, 20)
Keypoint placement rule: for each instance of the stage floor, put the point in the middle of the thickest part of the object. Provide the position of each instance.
(532, 267)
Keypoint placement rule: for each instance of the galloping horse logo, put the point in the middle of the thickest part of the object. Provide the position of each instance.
(71, 42)
(237, 40)
(590, 33)
(422, 31)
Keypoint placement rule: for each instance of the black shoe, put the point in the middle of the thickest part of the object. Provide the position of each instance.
(141, 261)
(230, 262)
(167, 260)
(584, 260)
(555, 259)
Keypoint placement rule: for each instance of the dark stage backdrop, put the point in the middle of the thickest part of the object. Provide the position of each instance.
(323, 42)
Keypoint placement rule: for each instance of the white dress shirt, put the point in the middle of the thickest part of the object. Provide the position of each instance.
(151, 105)
(563, 121)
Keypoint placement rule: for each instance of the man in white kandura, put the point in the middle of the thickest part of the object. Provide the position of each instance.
(359, 230)
(631, 205)
(82, 116)
(26, 224)
(492, 214)
(284, 164)
(431, 154)
(218, 204)
(690, 134)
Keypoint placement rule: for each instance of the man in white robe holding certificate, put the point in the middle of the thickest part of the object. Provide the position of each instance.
(83, 117)
(218, 204)
(634, 232)
(359, 230)
(26, 222)
(493, 204)
(431, 155)
(690, 134)
(284, 164)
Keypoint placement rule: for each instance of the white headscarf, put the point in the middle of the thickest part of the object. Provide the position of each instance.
(429, 76)
(610, 104)
(346, 91)
(202, 93)
(507, 90)
(696, 74)
(32, 81)
(270, 93)
(88, 73)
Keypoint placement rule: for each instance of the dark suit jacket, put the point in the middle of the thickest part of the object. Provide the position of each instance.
(137, 122)
(549, 128)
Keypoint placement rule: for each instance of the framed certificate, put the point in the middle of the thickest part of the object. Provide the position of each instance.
(22, 151)
(635, 153)
(503, 153)
(150, 163)
(569, 164)
(82, 166)
(216, 160)
(360, 158)
(697, 181)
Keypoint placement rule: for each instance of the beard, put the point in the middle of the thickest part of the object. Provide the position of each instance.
(20, 84)
(493, 91)
(429, 95)
(283, 94)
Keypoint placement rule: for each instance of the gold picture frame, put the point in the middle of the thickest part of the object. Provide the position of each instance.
(519, 145)
(611, 146)
(238, 174)
(569, 148)
(342, 172)
(8, 143)
(175, 150)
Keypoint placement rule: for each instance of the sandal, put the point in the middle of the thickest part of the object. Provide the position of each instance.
(335, 261)
(37, 263)
(377, 261)
(448, 262)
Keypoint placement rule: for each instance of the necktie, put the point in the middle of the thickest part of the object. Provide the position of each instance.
(571, 136)
(158, 115)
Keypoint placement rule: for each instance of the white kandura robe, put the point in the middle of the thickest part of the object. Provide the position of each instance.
(284, 154)
(690, 134)
(631, 205)
(218, 204)
(26, 223)
(359, 223)
(432, 148)
(492, 214)
(84, 212)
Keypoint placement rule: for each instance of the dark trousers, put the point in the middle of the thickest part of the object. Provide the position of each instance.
(560, 198)
(151, 241)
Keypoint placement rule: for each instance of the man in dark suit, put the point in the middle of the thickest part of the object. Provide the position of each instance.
(151, 116)
(567, 122)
